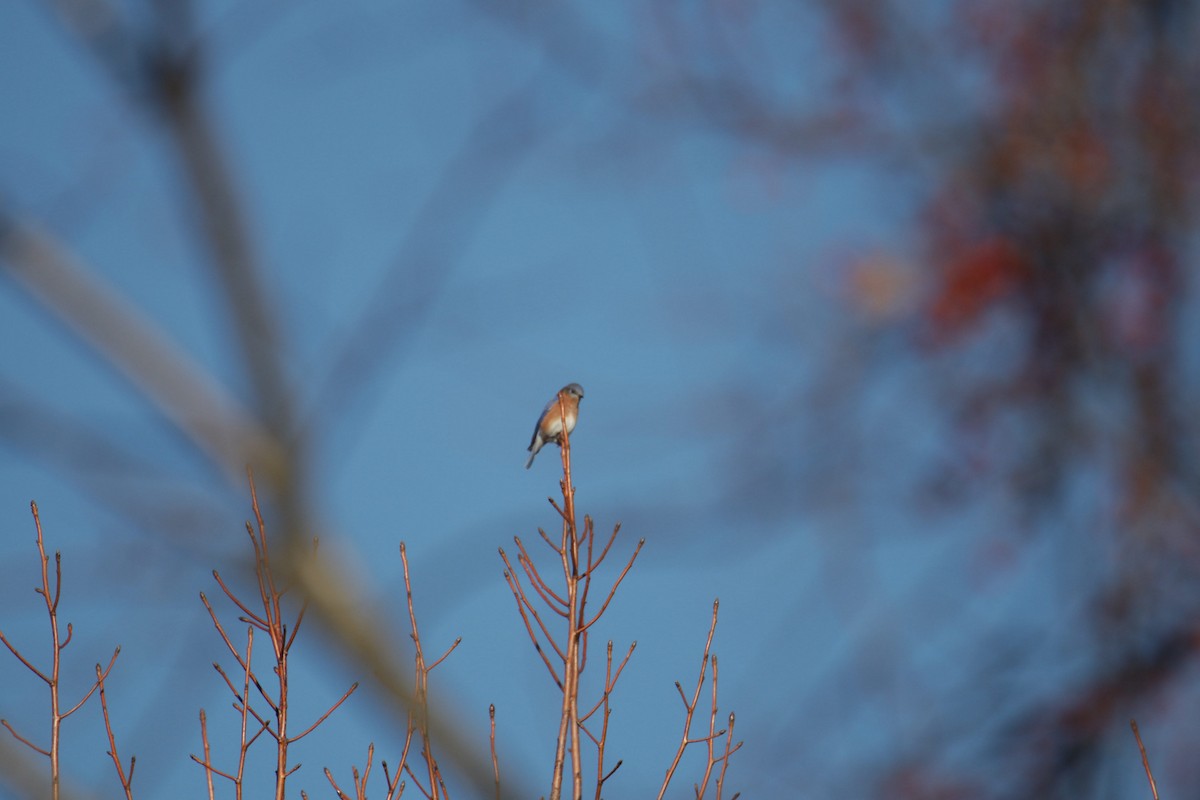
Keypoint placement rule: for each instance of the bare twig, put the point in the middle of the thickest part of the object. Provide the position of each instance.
(612, 592)
(690, 710)
(610, 680)
(23, 740)
(126, 779)
(492, 745)
(418, 720)
(730, 749)
(207, 762)
(359, 781)
(1145, 760)
(267, 617)
(58, 643)
(325, 716)
(526, 610)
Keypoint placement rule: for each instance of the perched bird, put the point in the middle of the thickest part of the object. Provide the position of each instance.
(550, 423)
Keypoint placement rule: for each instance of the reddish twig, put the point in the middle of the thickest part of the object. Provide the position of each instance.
(209, 769)
(394, 784)
(325, 716)
(548, 595)
(58, 643)
(690, 711)
(492, 745)
(418, 719)
(242, 706)
(610, 680)
(702, 787)
(421, 711)
(546, 538)
(730, 749)
(1145, 760)
(126, 780)
(612, 592)
(207, 762)
(526, 610)
(267, 617)
(359, 781)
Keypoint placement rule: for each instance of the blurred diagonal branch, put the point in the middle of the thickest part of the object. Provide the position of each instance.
(407, 292)
(209, 418)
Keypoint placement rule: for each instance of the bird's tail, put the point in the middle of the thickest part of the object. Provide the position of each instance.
(529, 463)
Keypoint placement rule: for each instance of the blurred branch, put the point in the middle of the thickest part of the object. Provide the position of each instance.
(496, 146)
(406, 295)
(209, 418)
(1061, 732)
(225, 228)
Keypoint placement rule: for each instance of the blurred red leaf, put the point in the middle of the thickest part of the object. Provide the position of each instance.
(980, 276)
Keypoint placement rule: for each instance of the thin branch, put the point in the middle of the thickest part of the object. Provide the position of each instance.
(417, 781)
(207, 762)
(492, 746)
(1145, 760)
(324, 716)
(244, 743)
(561, 513)
(126, 780)
(243, 700)
(610, 679)
(57, 575)
(616, 584)
(524, 605)
(395, 785)
(22, 739)
(725, 758)
(691, 707)
(22, 659)
(221, 629)
(446, 654)
(361, 787)
(210, 768)
(548, 595)
(549, 542)
(702, 787)
(337, 789)
(592, 565)
(537, 645)
(95, 685)
(252, 617)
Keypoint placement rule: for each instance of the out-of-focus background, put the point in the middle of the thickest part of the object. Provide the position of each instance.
(885, 313)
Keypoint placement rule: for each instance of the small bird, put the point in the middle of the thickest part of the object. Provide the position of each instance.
(550, 423)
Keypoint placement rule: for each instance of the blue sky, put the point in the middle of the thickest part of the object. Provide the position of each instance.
(516, 218)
